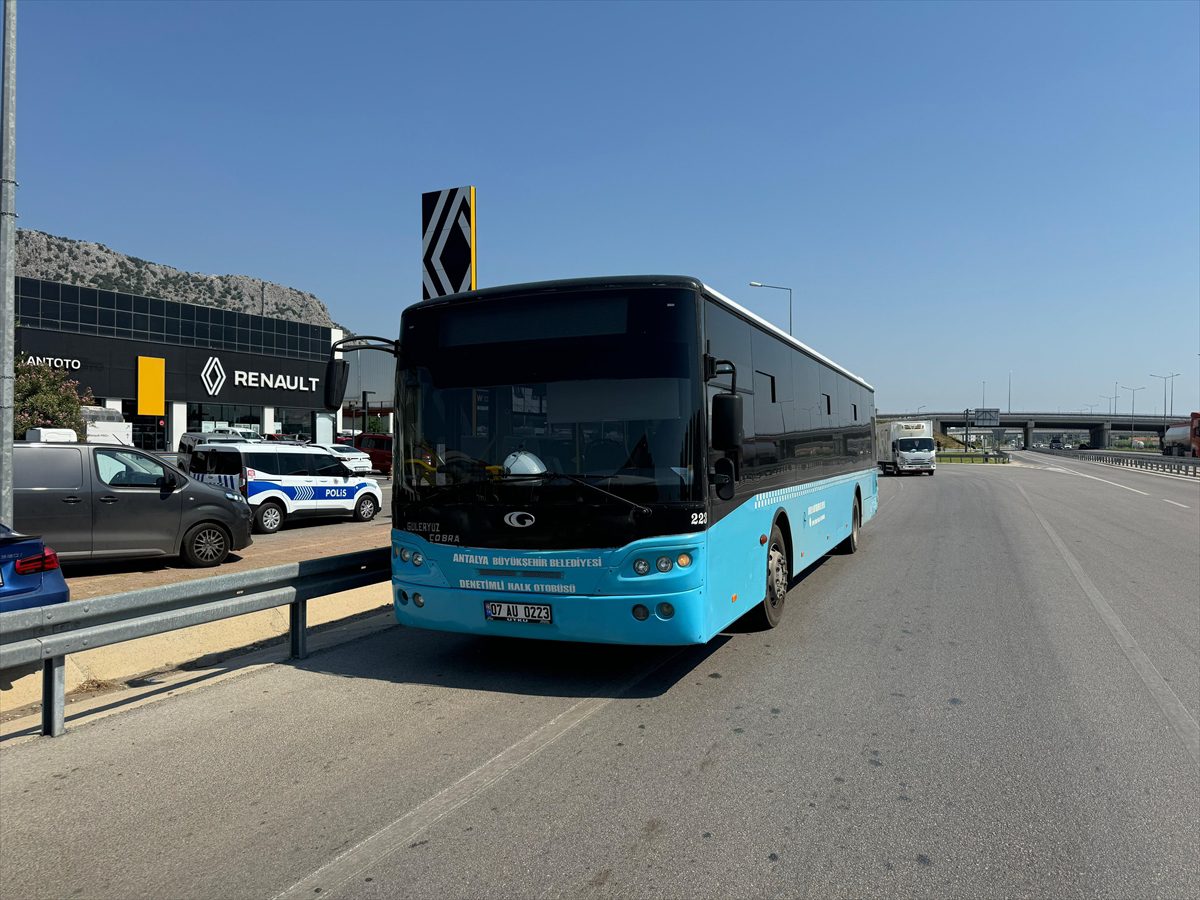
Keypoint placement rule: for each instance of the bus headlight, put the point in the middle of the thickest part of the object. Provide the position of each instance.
(417, 558)
(683, 560)
(404, 554)
(664, 564)
(418, 600)
(641, 566)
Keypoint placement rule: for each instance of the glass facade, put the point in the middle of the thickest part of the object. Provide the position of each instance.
(207, 416)
(88, 310)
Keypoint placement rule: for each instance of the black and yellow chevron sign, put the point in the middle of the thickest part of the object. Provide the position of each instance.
(448, 241)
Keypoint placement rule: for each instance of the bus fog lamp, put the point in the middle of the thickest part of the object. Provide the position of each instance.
(641, 566)
(664, 564)
(403, 595)
(418, 600)
(641, 613)
(404, 554)
(417, 558)
(665, 610)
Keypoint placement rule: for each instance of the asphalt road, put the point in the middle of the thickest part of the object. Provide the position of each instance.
(996, 697)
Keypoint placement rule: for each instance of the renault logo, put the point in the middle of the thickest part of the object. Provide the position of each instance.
(213, 376)
(519, 519)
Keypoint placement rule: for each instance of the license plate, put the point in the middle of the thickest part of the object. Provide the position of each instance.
(502, 611)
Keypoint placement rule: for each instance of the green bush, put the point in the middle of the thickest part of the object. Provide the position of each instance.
(47, 398)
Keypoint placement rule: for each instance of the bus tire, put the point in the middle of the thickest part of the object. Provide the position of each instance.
(268, 518)
(850, 544)
(769, 613)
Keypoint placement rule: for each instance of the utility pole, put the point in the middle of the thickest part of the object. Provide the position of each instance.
(1132, 408)
(8, 263)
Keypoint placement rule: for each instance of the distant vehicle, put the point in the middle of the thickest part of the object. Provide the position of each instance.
(245, 434)
(106, 426)
(1183, 438)
(1084, 445)
(281, 481)
(1056, 444)
(379, 448)
(97, 501)
(189, 440)
(905, 447)
(29, 572)
(359, 462)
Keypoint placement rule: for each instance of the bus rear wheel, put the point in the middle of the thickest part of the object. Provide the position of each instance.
(850, 544)
(769, 613)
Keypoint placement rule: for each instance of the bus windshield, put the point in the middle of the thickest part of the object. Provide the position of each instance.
(598, 385)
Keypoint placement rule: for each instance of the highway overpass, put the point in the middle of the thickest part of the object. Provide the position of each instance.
(1100, 428)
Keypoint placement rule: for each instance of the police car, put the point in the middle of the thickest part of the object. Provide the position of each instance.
(281, 480)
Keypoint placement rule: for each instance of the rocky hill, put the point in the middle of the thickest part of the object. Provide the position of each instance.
(52, 258)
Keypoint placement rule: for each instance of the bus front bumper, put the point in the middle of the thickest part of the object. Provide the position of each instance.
(662, 619)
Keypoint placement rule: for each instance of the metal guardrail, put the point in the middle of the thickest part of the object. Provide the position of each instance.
(972, 456)
(47, 634)
(1173, 465)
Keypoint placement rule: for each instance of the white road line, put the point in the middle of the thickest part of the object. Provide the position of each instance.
(347, 866)
(1173, 503)
(1182, 721)
(1106, 481)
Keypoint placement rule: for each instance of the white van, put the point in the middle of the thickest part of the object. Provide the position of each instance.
(282, 480)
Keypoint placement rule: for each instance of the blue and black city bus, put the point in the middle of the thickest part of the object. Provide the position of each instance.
(634, 460)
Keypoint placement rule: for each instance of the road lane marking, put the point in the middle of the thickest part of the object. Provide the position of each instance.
(1173, 503)
(1106, 481)
(338, 873)
(1182, 721)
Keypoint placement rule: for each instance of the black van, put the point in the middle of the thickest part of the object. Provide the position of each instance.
(98, 501)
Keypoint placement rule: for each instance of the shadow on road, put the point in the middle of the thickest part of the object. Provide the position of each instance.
(511, 665)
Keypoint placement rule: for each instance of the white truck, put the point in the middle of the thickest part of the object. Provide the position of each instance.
(905, 447)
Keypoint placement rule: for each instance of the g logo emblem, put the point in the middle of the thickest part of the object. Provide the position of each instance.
(519, 519)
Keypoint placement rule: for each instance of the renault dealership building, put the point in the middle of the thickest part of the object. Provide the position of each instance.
(172, 367)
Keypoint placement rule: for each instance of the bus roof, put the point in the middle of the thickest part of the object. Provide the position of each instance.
(681, 281)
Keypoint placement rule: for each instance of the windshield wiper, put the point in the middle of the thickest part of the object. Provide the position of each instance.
(577, 479)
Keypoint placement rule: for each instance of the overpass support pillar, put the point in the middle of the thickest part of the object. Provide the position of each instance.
(1099, 436)
(1028, 435)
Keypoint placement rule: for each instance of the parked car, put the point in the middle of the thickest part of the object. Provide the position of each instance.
(190, 439)
(245, 434)
(29, 572)
(379, 448)
(96, 501)
(358, 462)
(283, 480)
(285, 438)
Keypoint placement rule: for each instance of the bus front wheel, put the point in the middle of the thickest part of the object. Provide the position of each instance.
(769, 613)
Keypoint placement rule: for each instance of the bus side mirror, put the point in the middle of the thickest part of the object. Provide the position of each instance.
(723, 477)
(727, 422)
(337, 372)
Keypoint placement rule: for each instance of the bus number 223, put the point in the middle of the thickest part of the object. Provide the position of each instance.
(699, 518)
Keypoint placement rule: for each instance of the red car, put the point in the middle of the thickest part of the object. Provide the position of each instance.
(379, 448)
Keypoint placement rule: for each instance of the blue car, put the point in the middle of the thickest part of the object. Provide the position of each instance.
(29, 573)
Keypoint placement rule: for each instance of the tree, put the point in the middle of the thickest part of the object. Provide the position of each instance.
(47, 398)
(374, 425)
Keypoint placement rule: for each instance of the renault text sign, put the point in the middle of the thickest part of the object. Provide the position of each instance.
(213, 376)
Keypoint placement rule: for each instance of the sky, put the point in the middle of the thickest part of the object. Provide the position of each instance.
(954, 191)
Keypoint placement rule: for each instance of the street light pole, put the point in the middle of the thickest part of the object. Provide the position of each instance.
(777, 287)
(8, 235)
(1132, 408)
(1010, 391)
(1111, 407)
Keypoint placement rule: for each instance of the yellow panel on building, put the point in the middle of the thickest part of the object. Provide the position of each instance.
(151, 386)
